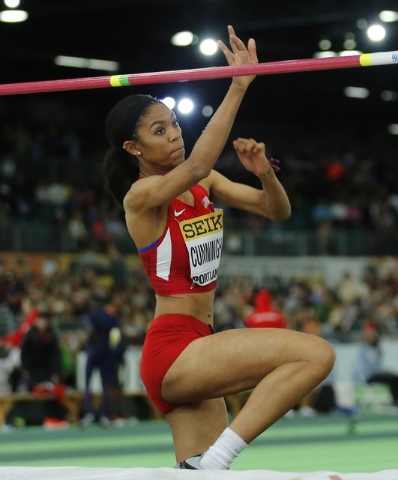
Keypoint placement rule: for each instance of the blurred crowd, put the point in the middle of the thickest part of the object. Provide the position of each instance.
(99, 306)
(47, 176)
(65, 296)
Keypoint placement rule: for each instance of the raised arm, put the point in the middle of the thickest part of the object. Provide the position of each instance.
(212, 141)
(159, 189)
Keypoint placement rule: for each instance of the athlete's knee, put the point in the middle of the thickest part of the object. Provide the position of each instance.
(323, 355)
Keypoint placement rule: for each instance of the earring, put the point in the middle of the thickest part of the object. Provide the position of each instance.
(138, 152)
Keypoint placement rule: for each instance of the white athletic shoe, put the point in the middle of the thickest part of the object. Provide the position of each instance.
(192, 463)
(105, 421)
(87, 420)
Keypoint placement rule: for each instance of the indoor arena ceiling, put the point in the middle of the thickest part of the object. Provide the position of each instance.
(136, 34)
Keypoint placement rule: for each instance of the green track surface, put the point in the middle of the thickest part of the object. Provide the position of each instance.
(323, 443)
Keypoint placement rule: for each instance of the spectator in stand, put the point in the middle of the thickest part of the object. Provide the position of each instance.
(13, 368)
(98, 231)
(115, 227)
(12, 290)
(264, 315)
(71, 143)
(70, 344)
(368, 363)
(78, 231)
(117, 267)
(349, 289)
(345, 319)
(325, 301)
(40, 354)
(30, 312)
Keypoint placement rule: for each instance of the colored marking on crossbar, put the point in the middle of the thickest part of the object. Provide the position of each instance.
(119, 81)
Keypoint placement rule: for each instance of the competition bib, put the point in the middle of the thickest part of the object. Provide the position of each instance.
(203, 238)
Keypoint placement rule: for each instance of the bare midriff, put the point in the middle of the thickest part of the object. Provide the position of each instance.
(198, 305)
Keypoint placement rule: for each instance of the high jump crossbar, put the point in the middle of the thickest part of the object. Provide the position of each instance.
(210, 73)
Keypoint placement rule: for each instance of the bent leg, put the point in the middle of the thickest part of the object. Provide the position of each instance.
(282, 366)
(196, 426)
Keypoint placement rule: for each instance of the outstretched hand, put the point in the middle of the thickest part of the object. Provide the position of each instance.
(239, 55)
(252, 155)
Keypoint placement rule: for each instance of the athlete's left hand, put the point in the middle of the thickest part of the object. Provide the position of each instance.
(239, 55)
(252, 155)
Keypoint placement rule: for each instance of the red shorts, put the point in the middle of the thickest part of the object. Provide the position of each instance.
(166, 338)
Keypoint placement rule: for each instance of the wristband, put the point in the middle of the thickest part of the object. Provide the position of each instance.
(272, 167)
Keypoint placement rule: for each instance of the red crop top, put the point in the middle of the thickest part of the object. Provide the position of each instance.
(185, 259)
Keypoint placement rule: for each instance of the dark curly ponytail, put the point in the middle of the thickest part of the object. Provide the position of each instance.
(121, 171)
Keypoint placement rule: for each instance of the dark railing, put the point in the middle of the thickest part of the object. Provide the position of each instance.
(340, 242)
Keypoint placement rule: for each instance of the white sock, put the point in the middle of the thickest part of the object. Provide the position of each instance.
(226, 448)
